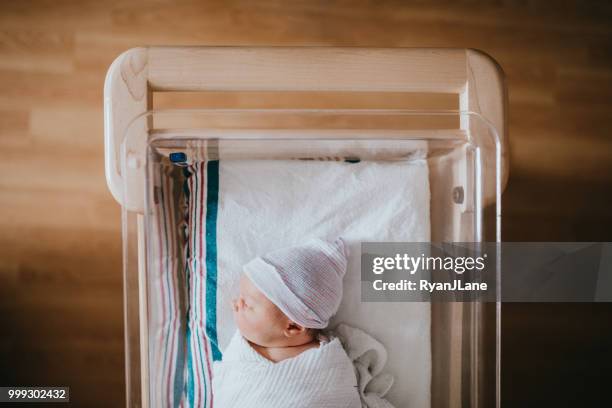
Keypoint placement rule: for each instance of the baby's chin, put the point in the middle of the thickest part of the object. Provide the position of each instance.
(245, 332)
(254, 339)
(253, 336)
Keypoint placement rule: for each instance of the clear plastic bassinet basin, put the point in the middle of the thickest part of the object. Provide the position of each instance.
(465, 182)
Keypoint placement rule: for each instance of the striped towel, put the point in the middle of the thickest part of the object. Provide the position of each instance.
(166, 297)
(182, 285)
(202, 188)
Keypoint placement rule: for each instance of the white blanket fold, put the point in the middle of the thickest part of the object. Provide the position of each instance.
(321, 377)
(369, 357)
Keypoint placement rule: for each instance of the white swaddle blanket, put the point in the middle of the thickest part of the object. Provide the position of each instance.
(321, 377)
(266, 205)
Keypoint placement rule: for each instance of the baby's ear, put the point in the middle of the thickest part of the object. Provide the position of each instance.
(293, 329)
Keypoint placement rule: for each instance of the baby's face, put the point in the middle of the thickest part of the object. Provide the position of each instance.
(259, 320)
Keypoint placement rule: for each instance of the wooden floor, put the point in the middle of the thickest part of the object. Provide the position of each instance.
(60, 251)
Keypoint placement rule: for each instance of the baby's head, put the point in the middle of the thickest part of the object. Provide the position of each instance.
(290, 293)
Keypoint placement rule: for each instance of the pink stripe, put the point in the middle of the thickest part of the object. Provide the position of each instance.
(202, 231)
(193, 277)
(192, 340)
(169, 383)
(201, 183)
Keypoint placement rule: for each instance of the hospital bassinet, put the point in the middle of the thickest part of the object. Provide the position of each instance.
(155, 157)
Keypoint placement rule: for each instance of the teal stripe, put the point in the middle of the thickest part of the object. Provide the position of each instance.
(212, 203)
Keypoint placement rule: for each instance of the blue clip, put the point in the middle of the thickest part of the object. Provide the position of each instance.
(178, 157)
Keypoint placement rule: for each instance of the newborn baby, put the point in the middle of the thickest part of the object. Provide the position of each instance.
(279, 357)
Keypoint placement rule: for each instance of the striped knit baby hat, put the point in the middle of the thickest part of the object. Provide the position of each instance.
(304, 282)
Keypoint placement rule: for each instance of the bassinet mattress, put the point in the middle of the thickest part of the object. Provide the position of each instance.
(238, 209)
